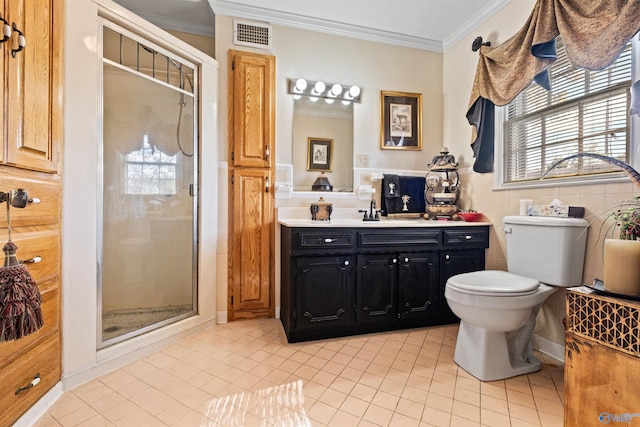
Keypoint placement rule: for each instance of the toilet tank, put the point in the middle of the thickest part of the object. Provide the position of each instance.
(548, 249)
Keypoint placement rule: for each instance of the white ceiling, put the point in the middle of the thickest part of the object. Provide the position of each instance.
(424, 24)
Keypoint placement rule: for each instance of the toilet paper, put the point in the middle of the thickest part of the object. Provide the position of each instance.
(525, 204)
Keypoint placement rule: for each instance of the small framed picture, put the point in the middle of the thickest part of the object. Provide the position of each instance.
(320, 154)
(401, 125)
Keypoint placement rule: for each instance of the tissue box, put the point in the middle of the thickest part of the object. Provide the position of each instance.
(560, 211)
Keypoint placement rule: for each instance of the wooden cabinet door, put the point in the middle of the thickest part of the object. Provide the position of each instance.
(376, 288)
(418, 284)
(32, 80)
(600, 384)
(251, 263)
(251, 109)
(323, 287)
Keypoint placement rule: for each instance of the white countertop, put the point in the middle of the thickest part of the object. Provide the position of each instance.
(383, 223)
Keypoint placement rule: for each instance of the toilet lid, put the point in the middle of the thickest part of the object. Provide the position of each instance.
(494, 282)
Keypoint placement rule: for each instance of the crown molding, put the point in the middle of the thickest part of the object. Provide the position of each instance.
(464, 30)
(324, 26)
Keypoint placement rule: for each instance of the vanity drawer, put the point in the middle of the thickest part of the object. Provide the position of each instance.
(42, 361)
(47, 190)
(10, 350)
(40, 251)
(469, 237)
(399, 237)
(325, 239)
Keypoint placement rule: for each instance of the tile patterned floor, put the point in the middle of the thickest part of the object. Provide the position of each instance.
(244, 373)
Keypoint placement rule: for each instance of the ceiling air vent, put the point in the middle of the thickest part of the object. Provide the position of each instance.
(252, 34)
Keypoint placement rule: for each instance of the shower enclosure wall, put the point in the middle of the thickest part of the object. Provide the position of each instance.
(147, 248)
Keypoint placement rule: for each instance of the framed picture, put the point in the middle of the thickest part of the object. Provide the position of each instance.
(401, 125)
(319, 154)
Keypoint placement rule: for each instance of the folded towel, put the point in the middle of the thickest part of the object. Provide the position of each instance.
(409, 193)
(390, 186)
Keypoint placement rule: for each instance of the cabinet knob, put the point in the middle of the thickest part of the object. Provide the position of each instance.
(468, 237)
(395, 260)
(447, 256)
(346, 263)
(327, 240)
(406, 259)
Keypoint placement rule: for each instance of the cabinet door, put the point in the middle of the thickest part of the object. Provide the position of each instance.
(251, 109)
(457, 262)
(32, 84)
(418, 284)
(251, 263)
(323, 287)
(376, 288)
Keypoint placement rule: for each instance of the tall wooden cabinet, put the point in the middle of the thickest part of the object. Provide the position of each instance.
(251, 165)
(31, 128)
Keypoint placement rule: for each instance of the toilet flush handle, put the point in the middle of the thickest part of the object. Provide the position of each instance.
(508, 230)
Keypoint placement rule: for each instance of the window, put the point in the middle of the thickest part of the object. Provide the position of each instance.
(150, 171)
(585, 111)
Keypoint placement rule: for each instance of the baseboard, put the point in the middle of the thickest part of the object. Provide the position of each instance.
(549, 348)
(221, 317)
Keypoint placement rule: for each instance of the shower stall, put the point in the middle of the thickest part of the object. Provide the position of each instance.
(147, 259)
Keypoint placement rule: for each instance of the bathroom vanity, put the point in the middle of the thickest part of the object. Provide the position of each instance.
(348, 277)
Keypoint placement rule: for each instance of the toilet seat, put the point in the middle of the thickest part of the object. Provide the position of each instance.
(493, 283)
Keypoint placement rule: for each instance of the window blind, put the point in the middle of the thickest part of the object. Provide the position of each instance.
(585, 111)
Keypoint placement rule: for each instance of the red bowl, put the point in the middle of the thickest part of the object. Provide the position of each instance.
(470, 216)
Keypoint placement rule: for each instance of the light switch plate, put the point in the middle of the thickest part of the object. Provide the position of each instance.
(362, 160)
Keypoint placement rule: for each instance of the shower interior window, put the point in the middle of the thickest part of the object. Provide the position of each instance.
(150, 171)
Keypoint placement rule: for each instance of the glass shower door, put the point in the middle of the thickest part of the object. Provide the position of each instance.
(148, 250)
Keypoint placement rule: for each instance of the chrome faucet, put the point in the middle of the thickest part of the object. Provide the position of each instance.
(373, 214)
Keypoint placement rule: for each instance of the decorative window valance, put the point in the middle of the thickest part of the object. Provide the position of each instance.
(594, 33)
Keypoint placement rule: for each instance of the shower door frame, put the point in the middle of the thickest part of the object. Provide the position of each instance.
(154, 43)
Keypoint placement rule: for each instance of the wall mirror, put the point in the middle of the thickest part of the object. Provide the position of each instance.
(323, 135)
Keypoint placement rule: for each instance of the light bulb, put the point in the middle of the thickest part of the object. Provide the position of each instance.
(336, 89)
(354, 91)
(301, 84)
(319, 87)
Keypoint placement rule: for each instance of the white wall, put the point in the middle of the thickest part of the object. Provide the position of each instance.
(81, 361)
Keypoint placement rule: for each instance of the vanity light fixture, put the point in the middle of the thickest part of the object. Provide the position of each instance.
(318, 88)
(327, 91)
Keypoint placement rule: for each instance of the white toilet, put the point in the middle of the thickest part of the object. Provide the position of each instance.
(497, 309)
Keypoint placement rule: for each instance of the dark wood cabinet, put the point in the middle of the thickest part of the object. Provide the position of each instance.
(345, 281)
(323, 297)
(418, 285)
(454, 262)
(377, 288)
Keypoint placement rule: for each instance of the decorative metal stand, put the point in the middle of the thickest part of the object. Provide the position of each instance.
(442, 187)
